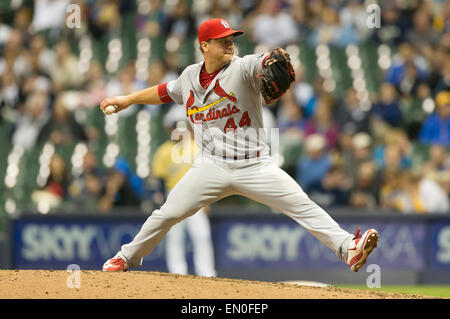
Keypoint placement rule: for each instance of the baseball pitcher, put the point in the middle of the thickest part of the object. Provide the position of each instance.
(222, 97)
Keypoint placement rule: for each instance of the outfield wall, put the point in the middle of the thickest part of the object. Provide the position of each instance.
(413, 249)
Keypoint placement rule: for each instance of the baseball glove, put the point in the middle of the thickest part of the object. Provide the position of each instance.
(277, 75)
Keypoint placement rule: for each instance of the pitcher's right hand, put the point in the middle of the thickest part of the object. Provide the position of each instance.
(120, 103)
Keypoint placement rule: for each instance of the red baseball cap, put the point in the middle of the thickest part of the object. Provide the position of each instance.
(215, 29)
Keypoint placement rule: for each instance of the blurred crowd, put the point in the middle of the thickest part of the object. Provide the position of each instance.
(392, 155)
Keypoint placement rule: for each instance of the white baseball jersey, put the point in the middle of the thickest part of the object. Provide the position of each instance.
(227, 116)
(228, 126)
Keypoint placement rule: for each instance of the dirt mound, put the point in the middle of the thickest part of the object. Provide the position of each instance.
(59, 284)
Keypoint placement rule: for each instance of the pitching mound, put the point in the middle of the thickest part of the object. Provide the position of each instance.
(43, 284)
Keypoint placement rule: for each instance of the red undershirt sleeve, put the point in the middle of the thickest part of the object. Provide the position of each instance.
(163, 95)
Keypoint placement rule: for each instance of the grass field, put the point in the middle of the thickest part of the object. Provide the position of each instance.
(437, 291)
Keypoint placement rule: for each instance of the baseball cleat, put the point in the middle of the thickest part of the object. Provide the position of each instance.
(115, 264)
(360, 248)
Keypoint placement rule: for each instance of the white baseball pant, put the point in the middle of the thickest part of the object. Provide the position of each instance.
(261, 180)
(199, 230)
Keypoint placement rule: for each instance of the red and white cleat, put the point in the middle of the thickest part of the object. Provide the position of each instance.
(360, 248)
(115, 264)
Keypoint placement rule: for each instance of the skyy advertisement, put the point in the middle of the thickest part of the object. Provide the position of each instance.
(276, 243)
(287, 245)
(55, 243)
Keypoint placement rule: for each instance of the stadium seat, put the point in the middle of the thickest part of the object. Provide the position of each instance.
(308, 58)
(341, 71)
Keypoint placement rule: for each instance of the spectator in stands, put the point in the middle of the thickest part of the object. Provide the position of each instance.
(361, 151)
(366, 186)
(422, 34)
(273, 25)
(439, 161)
(394, 25)
(303, 92)
(299, 13)
(117, 192)
(414, 110)
(349, 113)
(397, 142)
(324, 32)
(443, 84)
(9, 92)
(290, 117)
(35, 82)
(179, 21)
(406, 56)
(390, 190)
(94, 85)
(5, 31)
(319, 93)
(62, 128)
(408, 85)
(420, 195)
(65, 73)
(344, 148)
(161, 71)
(43, 10)
(323, 122)
(387, 108)
(90, 192)
(231, 11)
(59, 178)
(314, 9)
(45, 57)
(149, 23)
(436, 129)
(334, 188)
(445, 14)
(30, 123)
(353, 17)
(14, 56)
(312, 167)
(392, 159)
(86, 189)
(55, 190)
(137, 184)
(22, 21)
(103, 17)
(437, 63)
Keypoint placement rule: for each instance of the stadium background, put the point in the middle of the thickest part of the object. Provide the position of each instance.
(352, 132)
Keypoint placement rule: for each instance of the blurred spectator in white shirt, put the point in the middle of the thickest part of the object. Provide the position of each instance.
(422, 195)
(44, 55)
(65, 72)
(9, 91)
(354, 16)
(49, 14)
(29, 125)
(274, 27)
